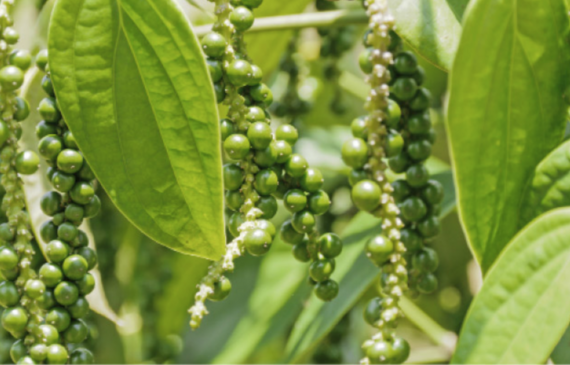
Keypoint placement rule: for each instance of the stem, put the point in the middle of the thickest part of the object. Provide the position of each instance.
(334, 18)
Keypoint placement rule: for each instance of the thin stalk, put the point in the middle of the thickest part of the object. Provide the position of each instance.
(334, 18)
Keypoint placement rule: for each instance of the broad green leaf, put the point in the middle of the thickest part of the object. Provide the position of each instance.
(516, 317)
(134, 89)
(561, 353)
(354, 273)
(430, 27)
(550, 186)
(37, 185)
(276, 300)
(505, 112)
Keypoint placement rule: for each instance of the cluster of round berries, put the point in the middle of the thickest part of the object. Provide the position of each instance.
(329, 350)
(65, 280)
(335, 42)
(19, 287)
(417, 195)
(373, 141)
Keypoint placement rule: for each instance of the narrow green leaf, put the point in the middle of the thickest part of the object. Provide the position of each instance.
(506, 111)
(513, 320)
(354, 273)
(37, 185)
(550, 186)
(431, 27)
(134, 88)
(276, 300)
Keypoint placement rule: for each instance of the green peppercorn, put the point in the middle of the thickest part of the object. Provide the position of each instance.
(366, 195)
(76, 332)
(303, 221)
(57, 251)
(47, 300)
(222, 289)
(259, 135)
(27, 162)
(266, 182)
(34, 288)
(11, 78)
(261, 93)
(233, 176)
(235, 221)
(82, 193)
(79, 309)
(359, 128)
(50, 274)
(4, 132)
(57, 354)
(365, 61)
(268, 205)
(380, 352)
(242, 18)
(9, 295)
(49, 110)
(290, 234)
(417, 175)
(355, 153)
(42, 129)
(257, 242)
(283, 150)
(429, 227)
(394, 143)
(300, 252)
(50, 203)
(413, 209)
(419, 123)
(326, 290)
(22, 109)
(239, 72)
(378, 249)
(404, 88)
(18, 350)
(8, 258)
(214, 44)
(266, 157)
(14, 319)
(86, 284)
(427, 283)
(295, 200)
(237, 146)
(321, 270)
(419, 150)
(312, 180)
(296, 165)
(330, 245)
(319, 202)
(66, 293)
(59, 318)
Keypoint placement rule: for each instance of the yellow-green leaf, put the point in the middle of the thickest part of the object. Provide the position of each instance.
(134, 89)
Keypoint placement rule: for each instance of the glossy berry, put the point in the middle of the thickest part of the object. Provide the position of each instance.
(215, 69)
(63, 182)
(255, 114)
(411, 239)
(380, 352)
(287, 133)
(49, 110)
(417, 175)
(34, 288)
(257, 242)
(419, 76)
(295, 200)
(11, 78)
(426, 260)
(233, 176)
(266, 157)
(81, 240)
(373, 311)
(427, 283)
(268, 205)
(394, 114)
(51, 274)
(4, 132)
(57, 354)
(413, 209)
(303, 221)
(14, 319)
(266, 182)
(69, 161)
(50, 203)
(75, 267)
(321, 270)
(74, 212)
(242, 18)
(300, 252)
(252, 4)
(237, 146)
(18, 350)
(82, 193)
(256, 75)
(6, 232)
(76, 332)
(22, 109)
(404, 88)
(227, 128)
(67, 232)
(86, 284)
(419, 123)
(312, 180)
(401, 190)
(405, 63)
(79, 309)
(355, 153)
(81, 356)
(326, 290)
(419, 150)
(234, 199)
(259, 135)
(365, 61)
(296, 165)
(21, 59)
(9, 295)
(290, 235)
(42, 59)
(214, 44)
(378, 249)
(429, 227)
(394, 143)
(421, 101)
(330, 245)
(261, 93)
(432, 193)
(27, 162)
(69, 140)
(239, 72)
(50, 147)
(399, 163)
(401, 350)
(59, 318)
(8, 258)
(366, 195)
(283, 150)
(220, 91)
(66, 293)
(319, 202)
(235, 221)
(359, 128)
(47, 300)
(355, 176)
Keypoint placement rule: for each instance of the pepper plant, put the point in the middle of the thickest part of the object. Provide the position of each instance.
(366, 181)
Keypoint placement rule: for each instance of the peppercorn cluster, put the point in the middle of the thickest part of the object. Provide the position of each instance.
(65, 276)
(373, 141)
(418, 196)
(19, 287)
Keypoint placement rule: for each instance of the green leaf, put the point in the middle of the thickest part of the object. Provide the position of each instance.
(515, 318)
(430, 27)
(37, 185)
(550, 186)
(276, 300)
(354, 273)
(134, 89)
(505, 112)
